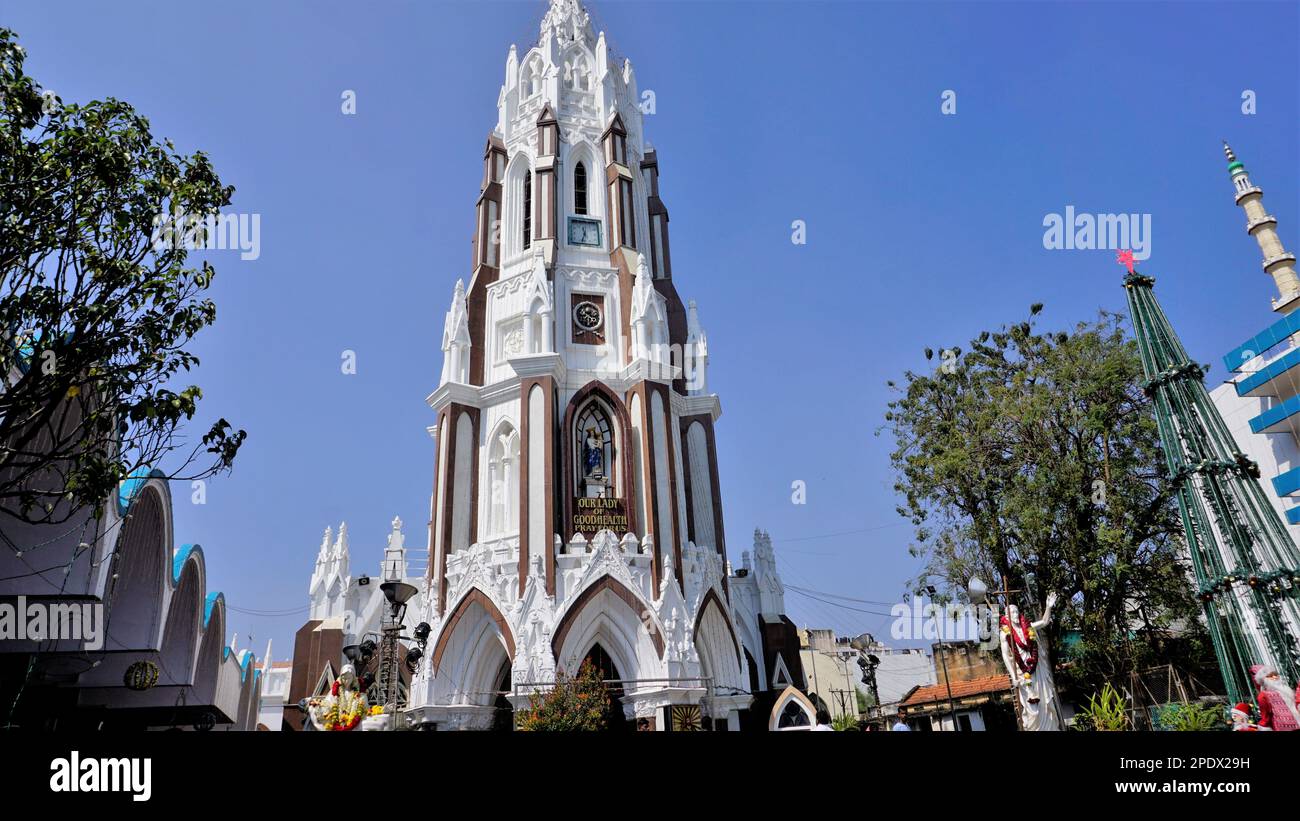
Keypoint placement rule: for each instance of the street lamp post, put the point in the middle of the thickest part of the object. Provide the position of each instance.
(943, 660)
(868, 664)
(979, 594)
(397, 594)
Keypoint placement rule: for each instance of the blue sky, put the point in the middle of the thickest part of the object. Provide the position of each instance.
(922, 229)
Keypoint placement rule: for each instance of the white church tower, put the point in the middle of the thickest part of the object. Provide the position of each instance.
(576, 510)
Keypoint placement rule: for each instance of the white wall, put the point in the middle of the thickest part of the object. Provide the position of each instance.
(1275, 453)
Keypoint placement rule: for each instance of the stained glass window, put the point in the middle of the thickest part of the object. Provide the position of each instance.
(528, 209)
(580, 189)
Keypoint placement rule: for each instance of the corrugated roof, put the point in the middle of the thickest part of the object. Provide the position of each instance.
(960, 689)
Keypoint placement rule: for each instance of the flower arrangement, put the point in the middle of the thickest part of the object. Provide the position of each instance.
(1024, 650)
(342, 709)
(1029, 631)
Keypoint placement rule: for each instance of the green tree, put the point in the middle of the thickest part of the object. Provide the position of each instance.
(95, 312)
(578, 702)
(865, 702)
(1033, 457)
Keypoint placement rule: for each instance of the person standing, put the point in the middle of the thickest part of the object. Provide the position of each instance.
(823, 722)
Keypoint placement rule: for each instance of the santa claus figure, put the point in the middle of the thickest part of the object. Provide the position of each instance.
(1277, 704)
(1241, 722)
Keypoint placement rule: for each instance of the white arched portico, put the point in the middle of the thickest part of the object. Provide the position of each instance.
(721, 663)
(609, 614)
(473, 648)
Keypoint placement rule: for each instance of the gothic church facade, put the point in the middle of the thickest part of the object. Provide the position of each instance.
(576, 513)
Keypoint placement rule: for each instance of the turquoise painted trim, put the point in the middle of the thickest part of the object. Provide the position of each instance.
(1293, 515)
(1274, 334)
(25, 349)
(209, 603)
(246, 658)
(1287, 483)
(1274, 369)
(178, 560)
(1275, 414)
(130, 487)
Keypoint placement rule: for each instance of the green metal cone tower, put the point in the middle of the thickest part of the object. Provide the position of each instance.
(1244, 559)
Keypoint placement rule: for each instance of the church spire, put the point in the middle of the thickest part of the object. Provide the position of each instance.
(456, 339)
(1278, 262)
(395, 553)
(567, 21)
(325, 545)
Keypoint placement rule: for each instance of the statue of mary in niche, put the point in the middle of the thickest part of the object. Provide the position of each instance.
(593, 455)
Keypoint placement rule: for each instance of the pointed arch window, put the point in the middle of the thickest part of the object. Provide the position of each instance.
(594, 434)
(528, 209)
(580, 189)
(532, 77)
(577, 73)
(794, 715)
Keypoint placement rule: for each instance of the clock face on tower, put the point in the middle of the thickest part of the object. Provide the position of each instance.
(588, 313)
(584, 231)
(587, 316)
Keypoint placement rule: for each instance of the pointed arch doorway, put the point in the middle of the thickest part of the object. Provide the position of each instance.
(616, 721)
(503, 720)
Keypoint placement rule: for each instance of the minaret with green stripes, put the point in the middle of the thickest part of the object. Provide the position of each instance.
(1279, 263)
(1245, 562)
